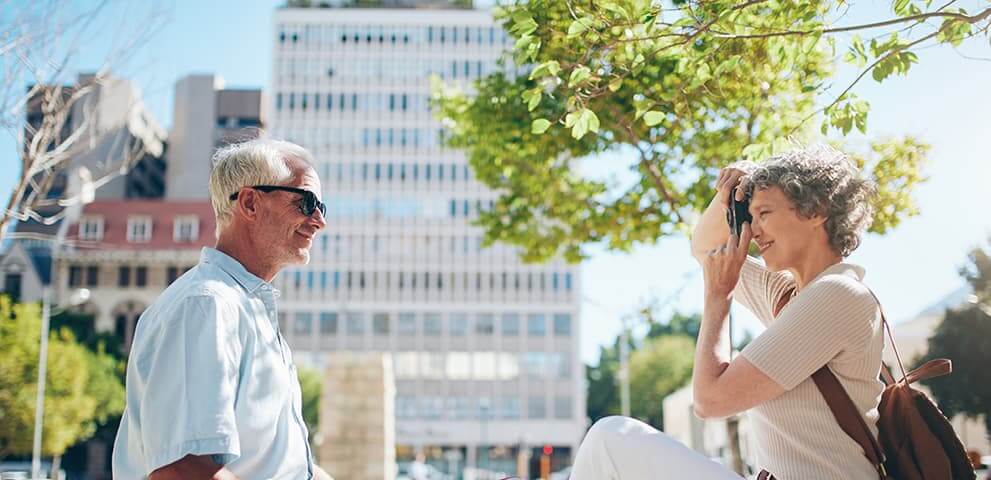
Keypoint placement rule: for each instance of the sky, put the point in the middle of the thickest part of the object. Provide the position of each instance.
(945, 101)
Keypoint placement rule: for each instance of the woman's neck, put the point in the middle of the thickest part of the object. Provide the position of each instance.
(812, 264)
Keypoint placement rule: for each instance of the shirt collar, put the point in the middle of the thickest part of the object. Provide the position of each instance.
(843, 268)
(229, 264)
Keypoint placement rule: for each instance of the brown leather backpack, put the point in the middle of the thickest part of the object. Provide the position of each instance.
(917, 442)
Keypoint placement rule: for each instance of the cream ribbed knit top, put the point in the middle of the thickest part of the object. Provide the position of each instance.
(833, 321)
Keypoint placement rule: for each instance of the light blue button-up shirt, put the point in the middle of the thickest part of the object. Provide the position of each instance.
(209, 374)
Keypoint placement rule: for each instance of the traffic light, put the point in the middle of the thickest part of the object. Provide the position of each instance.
(545, 462)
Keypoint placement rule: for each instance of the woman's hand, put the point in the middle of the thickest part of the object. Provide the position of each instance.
(733, 176)
(721, 267)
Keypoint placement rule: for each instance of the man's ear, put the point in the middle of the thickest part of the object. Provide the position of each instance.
(247, 204)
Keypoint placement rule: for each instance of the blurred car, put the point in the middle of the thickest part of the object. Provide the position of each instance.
(403, 472)
(562, 474)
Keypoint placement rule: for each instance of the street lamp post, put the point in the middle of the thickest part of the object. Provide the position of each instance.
(81, 184)
(39, 406)
(77, 297)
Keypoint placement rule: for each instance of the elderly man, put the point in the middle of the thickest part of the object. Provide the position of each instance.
(212, 390)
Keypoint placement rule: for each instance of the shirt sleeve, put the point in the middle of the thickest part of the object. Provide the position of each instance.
(190, 376)
(760, 289)
(833, 314)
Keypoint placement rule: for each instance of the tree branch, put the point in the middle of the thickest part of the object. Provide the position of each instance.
(839, 98)
(920, 17)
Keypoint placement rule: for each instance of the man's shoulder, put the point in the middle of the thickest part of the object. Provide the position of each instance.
(203, 286)
(204, 280)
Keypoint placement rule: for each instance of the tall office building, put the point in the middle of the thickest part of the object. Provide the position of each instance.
(206, 115)
(485, 348)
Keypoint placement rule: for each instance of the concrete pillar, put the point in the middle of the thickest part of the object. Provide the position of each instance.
(357, 417)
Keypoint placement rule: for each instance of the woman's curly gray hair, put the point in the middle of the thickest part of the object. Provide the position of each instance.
(821, 180)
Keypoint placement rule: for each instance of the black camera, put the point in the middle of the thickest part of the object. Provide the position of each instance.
(738, 212)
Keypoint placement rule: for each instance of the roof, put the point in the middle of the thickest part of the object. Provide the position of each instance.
(38, 256)
(115, 215)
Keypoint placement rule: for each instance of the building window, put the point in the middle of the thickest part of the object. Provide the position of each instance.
(431, 324)
(459, 325)
(380, 323)
(92, 276)
(536, 408)
(75, 276)
(328, 323)
(303, 323)
(509, 408)
(139, 229)
(171, 274)
(355, 324)
(91, 229)
(12, 286)
(536, 326)
(407, 324)
(562, 324)
(485, 324)
(141, 276)
(186, 229)
(124, 276)
(563, 409)
(510, 325)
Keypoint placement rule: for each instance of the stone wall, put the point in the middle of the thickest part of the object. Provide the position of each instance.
(357, 417)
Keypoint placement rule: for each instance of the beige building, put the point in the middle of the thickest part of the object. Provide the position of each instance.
(206, 115)
(127, 252)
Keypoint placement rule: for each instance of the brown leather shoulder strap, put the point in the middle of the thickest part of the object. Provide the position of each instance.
(847, 415)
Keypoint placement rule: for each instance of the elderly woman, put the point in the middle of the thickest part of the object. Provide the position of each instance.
(809, 207)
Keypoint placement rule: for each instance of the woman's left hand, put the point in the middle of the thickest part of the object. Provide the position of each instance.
(721, 267)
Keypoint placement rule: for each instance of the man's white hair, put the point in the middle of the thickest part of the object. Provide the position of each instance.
(261, 161)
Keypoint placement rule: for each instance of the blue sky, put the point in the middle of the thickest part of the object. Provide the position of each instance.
(944, 101)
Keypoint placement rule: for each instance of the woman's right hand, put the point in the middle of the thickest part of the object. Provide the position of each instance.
(735, 175)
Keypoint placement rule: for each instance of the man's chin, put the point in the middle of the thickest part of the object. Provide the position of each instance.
(301, 256)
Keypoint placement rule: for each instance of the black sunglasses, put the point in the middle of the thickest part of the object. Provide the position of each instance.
(309, 204)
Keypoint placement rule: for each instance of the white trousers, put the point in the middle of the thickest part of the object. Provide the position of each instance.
(621, 448)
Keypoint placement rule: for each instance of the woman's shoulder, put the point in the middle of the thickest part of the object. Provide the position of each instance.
(842, 284)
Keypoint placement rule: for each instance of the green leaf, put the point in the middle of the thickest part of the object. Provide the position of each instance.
(579, 26)
(653, 117)
(579, 75)
(615, 83)
(540, 126)
(901, 7)
(585, 121)
(593, 120)
(550, 67)
(614, 7)
(570, 119)
(532, 97)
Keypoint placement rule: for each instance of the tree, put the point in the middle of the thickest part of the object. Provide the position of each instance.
(683, 89)
(54, 119)
(83, 387)
(964, 336)
(660, 366)
(603, 378)
(310, 386)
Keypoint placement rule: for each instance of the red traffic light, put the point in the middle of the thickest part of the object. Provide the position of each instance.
(548, 450)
